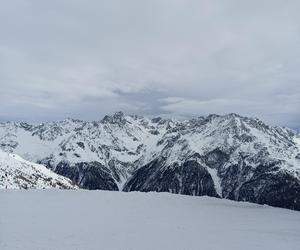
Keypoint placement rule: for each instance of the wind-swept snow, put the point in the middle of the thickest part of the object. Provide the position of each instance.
(62, 220)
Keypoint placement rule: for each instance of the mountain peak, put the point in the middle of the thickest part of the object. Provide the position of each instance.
(117, 118)
(118, 115)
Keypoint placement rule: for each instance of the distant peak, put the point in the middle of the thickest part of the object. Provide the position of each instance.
(117, 118)
(118, 114)
(69, 119)
(212, 116)
(234, 115)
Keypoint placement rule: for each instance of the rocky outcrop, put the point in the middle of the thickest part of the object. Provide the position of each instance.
(88, 175)
(188, 178)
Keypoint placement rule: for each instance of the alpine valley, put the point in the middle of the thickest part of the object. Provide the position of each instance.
(230, 156)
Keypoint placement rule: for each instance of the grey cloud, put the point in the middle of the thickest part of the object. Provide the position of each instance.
(86, 59)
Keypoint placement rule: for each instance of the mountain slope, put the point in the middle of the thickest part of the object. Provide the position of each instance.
(17, 173)
(226, 156)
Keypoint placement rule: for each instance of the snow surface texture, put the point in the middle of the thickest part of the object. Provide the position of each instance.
(88, 220)
(228, 156)
(17, 173)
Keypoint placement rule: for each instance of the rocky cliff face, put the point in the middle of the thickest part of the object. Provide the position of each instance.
(227, 156)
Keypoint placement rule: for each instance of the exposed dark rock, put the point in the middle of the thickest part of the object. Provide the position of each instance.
(275, 189)
(81, 144)
(88, 175)
(216, 158)
(189, 178)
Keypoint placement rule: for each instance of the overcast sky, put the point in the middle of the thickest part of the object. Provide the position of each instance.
(84, 59)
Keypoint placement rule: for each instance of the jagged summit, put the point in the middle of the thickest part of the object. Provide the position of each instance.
(117, 118)
(228, 156)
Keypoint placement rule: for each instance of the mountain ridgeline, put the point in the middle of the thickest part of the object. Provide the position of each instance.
(228, 156)
(17, 173)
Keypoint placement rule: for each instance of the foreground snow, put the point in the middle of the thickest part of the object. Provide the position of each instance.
(57, 219)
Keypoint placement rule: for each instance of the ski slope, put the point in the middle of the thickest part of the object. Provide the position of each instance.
(78, 219)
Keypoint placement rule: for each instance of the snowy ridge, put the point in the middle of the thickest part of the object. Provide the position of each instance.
(17, 173)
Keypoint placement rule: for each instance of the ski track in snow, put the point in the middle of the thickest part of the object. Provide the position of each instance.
(62, 220)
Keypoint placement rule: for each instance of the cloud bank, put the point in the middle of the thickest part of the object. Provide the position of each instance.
(162, 57)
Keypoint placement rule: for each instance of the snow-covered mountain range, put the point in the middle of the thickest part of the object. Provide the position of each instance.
(226, 156)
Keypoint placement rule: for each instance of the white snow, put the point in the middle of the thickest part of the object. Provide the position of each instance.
(88, 220)
(217, 182)
(297, 141)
